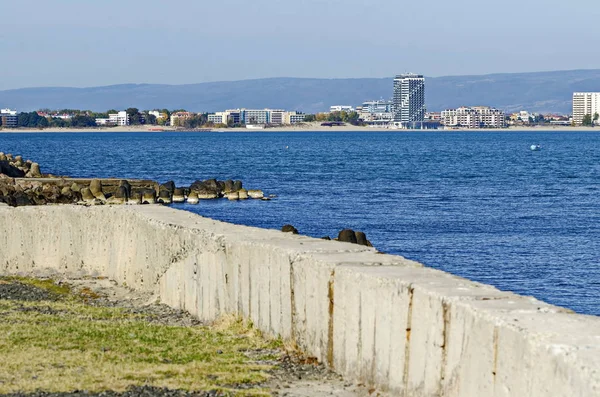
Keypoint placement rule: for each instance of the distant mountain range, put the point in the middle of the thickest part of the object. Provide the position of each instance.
(536, 92)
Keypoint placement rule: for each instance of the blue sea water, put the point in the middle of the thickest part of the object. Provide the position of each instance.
(481, 205)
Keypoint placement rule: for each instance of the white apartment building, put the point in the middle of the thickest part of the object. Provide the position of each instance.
(121, 118)
(9, 118)
(473, 117)
(293, 118)
(341, 108)
(585, 103)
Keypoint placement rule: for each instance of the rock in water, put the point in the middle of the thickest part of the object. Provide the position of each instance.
(237, 185)
(178, 195)
(289, 229)
(228, 186)
(243, 193)
(361, 238)
(164, 196)
(149, 197)
(256, 194)
(347, 236)
(170, 186)
(193, 198)
(233, 196)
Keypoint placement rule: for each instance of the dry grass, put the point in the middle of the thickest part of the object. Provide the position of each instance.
(67, 345)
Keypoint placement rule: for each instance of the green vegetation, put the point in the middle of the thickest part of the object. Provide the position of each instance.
(587, 120)
(65, 344)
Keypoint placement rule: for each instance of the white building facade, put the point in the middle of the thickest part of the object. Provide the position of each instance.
(585, 103)
(473, 117)
(9, 118)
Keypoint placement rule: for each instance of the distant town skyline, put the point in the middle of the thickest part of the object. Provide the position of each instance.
(70, 43)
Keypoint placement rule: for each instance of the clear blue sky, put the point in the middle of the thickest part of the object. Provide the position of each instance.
(88, 43)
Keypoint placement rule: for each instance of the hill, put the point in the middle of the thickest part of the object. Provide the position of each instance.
(536, 92)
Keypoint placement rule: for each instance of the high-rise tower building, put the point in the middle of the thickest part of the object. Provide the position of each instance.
(409, 98)
(585, 103)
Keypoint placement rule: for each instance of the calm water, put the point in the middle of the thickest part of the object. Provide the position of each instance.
(480, 205)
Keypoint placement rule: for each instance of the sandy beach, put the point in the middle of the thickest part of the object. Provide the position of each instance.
(304, 127)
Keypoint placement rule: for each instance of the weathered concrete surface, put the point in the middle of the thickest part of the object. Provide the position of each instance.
(377, 319)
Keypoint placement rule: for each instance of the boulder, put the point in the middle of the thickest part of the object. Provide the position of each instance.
(19, 159)
(135, 198)
(233, 196)
(149, 196)
(122, 193)
(243, 194)
(228, 186)
(164, 196)
(206, 190)
(8, 169)
(35, 170)
(86, 195)
(237, 185)
(347, 236)
(76, 187)
(21, 199)
(289, 229)
(193, 198)
(256, 194)
(326, 238)
(65, 191)
(125, 184)
(361, 239)
(2, 156)
(178, 195)
(205, 194)
(96, 186)
(170, 186)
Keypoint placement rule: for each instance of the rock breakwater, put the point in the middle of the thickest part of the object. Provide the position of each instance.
(22, 183)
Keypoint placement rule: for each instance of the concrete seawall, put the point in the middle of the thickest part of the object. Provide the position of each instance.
(377, 319)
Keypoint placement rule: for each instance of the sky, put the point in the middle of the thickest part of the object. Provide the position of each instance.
(84, 43)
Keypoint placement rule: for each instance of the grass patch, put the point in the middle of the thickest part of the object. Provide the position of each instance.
(66, 345)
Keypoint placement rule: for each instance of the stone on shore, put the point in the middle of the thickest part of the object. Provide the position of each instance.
(127, 186)
(289, 229)
(347, 236)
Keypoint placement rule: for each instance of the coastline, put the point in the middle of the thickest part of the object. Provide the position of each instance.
(305, 127)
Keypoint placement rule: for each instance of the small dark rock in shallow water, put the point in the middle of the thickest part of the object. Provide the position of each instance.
(289, 229)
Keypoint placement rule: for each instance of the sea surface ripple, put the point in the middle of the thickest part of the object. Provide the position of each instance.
(481, 205)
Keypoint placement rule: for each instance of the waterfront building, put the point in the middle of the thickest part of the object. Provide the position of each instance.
(9, 118)
(585, 103)
(121, 119)
(409, 99)
(341, 108)
(294, 118)
(177, 118)
(159, 115)
(473, 117)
